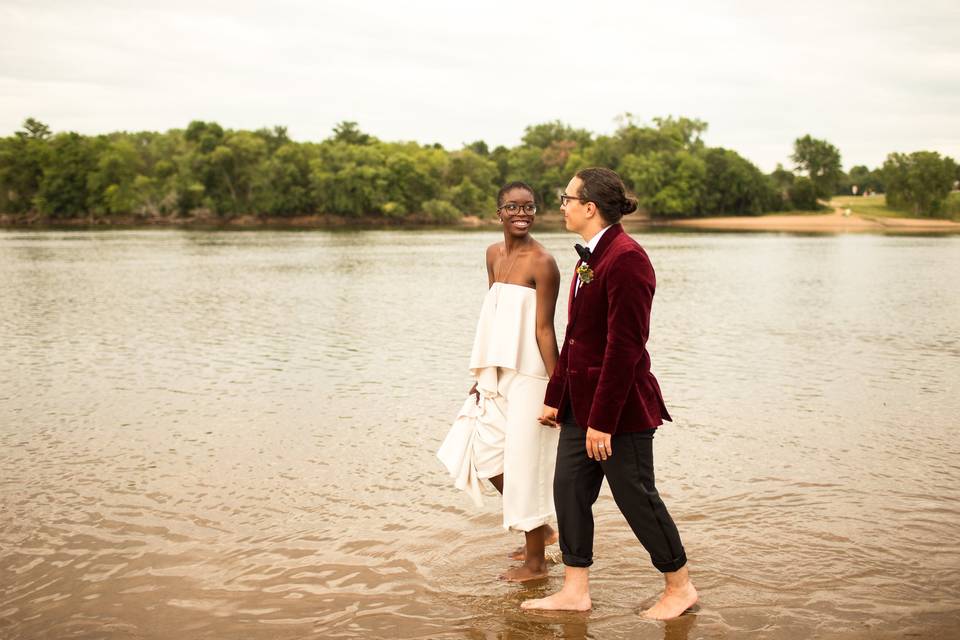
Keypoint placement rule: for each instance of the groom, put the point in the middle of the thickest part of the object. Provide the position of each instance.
(607, 401)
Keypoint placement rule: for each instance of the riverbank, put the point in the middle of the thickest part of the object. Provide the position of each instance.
(849, 215)
(840, 220)
(836, 222)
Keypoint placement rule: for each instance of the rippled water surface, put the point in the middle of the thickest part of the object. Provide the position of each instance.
(232, 435)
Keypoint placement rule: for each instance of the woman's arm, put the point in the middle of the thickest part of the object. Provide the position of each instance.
(546, 275)
(492, 253)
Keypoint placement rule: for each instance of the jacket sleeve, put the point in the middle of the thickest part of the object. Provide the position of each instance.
(630, 286)
(557, 380)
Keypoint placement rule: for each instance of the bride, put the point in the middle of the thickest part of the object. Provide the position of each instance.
(497, 436)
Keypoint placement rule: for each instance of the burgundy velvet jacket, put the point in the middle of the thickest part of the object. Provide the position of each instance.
(604, 367)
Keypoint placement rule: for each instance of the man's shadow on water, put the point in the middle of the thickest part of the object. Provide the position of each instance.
(576, 626)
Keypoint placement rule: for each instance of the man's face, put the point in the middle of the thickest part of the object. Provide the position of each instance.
(574, 211)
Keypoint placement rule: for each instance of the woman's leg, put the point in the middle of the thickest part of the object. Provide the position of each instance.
(529, 459)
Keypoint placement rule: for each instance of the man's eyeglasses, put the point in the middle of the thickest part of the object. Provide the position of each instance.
(564, 199)
(513, 207)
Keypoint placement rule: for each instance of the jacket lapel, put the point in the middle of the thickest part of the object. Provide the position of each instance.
(573, 306)
(573, 287)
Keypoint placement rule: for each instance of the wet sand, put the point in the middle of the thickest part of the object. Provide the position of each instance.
(835, 222)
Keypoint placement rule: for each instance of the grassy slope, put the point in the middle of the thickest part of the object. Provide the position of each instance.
(876, 207)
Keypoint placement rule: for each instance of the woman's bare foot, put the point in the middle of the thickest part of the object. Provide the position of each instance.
(674, 601)
(550, 536)
(526, 572)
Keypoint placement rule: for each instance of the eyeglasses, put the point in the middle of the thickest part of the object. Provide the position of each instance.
(513, 207)
(564, 199)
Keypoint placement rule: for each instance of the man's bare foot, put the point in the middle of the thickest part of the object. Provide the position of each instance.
(673, 602)
(525, 573)
(550, 536)
(563, 600)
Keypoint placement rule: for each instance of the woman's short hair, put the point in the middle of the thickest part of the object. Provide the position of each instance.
(516, 184)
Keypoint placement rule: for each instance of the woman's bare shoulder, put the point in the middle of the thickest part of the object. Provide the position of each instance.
(542, 256)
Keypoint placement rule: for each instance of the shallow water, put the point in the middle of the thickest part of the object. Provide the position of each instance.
(232, 435)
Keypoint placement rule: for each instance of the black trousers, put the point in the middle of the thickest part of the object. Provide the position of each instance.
(629, 472)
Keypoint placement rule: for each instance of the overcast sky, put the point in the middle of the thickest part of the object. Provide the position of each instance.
(871, 77)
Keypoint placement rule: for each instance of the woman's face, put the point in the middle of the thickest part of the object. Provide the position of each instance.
(514, 213)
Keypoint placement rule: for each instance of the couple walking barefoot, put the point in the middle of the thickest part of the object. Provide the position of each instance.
(544, 428)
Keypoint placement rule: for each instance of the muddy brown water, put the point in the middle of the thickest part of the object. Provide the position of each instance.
(232, 435)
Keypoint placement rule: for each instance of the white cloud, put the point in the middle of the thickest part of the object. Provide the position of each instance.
(871, 77)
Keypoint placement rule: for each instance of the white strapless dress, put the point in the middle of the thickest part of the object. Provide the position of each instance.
(500, 434)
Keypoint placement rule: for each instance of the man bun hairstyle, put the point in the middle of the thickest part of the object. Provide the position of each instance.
(605, 189)
(516, 184)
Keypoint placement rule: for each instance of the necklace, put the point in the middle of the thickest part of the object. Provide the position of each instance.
(509, 269)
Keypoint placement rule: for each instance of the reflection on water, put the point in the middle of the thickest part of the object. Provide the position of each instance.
(232, 435)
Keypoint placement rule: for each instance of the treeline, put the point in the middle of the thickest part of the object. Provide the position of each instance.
(212, 172)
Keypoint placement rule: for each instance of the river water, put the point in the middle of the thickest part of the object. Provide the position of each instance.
(232, 435)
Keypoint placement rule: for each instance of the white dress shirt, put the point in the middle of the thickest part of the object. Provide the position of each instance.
(592, 245)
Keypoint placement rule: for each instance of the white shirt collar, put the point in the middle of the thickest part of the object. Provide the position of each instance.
(595, 240)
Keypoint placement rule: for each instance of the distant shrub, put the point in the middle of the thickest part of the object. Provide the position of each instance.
(441, 211)
(803, 194)
(951, 207)
(919, 182)
(394, 210)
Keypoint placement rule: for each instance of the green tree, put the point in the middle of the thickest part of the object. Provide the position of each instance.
(113, 184)
(859, 177)
(803, 194)
(34, 130)
(63, 191)
(666, 183)
(782, 178)
(820, 160)
(349, 132)
(472, 180)
(22, 160)
(543, 135)
(349, 179)
(919, 182)
(274, 138)
(284, 182)
(479, 147)
(733, 185)
(865, 179)
(668, 134)
(414, 174)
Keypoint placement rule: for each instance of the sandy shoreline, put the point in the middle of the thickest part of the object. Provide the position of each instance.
(827, 223)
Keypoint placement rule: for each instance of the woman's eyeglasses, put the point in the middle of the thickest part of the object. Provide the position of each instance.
(513, 207)
(564, 199)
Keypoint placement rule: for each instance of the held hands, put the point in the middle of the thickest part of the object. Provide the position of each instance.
(599, 446)
(474, 392)
(549, 417)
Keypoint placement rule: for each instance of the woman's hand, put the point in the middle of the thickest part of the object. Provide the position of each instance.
(474, 392)
(549, 417)
(599, 445)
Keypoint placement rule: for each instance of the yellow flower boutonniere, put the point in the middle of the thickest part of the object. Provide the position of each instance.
(585, 273)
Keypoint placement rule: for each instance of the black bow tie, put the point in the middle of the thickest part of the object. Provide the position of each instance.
(583, 251)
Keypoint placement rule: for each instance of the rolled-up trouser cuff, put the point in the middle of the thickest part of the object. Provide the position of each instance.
(576, 561)
(665, 567)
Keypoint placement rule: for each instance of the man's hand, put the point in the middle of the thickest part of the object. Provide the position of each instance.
(549, 417)
(599, 445)
(474, 392)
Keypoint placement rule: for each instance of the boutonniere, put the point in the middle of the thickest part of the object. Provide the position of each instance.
(585, 273)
